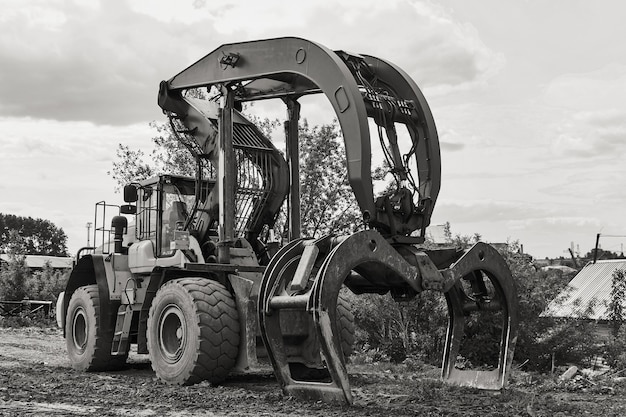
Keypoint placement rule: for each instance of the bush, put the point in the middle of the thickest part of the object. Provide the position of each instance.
(14, 278)
(396, 350)
(614, 350)
(368, 356)
(417, 328)
(414, 363)
(47, 284)
(570, 341)
(18, 282)
(24, 319)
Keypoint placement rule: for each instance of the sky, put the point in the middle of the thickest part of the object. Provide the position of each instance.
(529, 99)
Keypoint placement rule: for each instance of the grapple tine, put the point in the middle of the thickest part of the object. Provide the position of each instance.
(456, 327)
(270, 323)
(480, 259)
(278, 294)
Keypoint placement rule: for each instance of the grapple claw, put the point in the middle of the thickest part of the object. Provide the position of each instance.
(286, 287)
(479, 266)
(336, 259)
(300, 278)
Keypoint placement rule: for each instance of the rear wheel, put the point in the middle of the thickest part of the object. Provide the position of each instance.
(88, 336)
(193, 331)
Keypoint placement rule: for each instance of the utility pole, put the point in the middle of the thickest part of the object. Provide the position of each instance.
(598, 247)
(88, 233)
(595, 252)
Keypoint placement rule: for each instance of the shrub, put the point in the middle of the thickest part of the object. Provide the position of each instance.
(614, 350)
(18, 282)
(396, 350)
(417, 328)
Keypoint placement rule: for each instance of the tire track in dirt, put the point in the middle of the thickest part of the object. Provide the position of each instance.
(36, 379)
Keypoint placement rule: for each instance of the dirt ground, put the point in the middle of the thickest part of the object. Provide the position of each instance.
(36, 379)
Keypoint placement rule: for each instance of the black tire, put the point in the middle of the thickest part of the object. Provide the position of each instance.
(346, 325)
(193, 331)
(87, 335)
(345, 321)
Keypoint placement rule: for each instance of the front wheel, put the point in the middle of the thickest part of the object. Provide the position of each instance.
(88, 336)
(193, 331)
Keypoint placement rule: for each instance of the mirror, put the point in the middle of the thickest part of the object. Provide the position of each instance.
(130, 193)
(128, 209)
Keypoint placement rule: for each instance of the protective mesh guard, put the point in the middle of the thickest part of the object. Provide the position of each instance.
(262, 176)
(255, 179)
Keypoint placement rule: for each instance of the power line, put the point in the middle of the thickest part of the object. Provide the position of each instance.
(595, 252)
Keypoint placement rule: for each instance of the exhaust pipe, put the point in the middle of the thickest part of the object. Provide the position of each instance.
(119, 225)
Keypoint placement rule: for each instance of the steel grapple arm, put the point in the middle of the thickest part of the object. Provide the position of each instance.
(357, 87)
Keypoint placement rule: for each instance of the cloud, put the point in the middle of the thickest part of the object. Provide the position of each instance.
(492, 211)
(561, 224)
(541, 230)
(25, 138)
(102, 61)
(600, 133)
(101, 64)
(421, 37)
(603, 88)
(591, 121)
(451, 146)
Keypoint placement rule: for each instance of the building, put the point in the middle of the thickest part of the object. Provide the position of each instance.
(588, 294)
(39, 261)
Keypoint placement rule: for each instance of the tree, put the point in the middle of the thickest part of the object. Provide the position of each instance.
(407, 328)
(47, 283)
(129, 167)
(421, 322)
(602, 254)
(542, 339)
(18, 282)
(327, 204)
(617, 300)
(169, 155)
(39, 237)
(14, 274)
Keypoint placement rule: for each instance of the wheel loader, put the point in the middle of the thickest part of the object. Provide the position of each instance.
(200, 281)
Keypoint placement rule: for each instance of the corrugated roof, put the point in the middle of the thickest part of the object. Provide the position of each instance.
(591, 286)
(38, 261)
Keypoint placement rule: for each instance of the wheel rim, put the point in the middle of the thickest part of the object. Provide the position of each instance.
(79, 329)
(172, 333)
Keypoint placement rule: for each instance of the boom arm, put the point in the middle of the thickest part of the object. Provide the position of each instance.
(356, 86)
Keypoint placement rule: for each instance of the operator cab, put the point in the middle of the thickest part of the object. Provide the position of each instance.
(165, 209)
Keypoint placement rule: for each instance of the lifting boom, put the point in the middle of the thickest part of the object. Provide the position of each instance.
(357, 86)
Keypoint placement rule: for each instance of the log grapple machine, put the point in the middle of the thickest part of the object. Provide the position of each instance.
(199, 282)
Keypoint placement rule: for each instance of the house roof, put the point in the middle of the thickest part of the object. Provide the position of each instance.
(38, 261)
(589, 291)
(563, 268)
